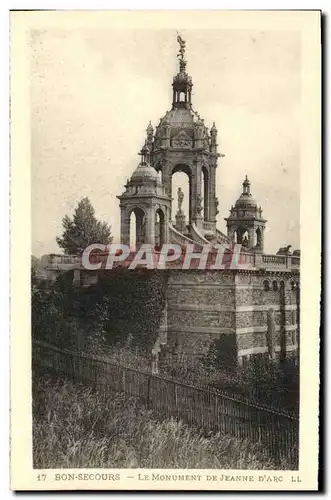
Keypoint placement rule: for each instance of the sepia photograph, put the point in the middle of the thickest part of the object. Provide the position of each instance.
(166, 251)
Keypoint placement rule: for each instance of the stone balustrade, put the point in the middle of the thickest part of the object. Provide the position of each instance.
(250, 260)
(63, 259)
(281, 262)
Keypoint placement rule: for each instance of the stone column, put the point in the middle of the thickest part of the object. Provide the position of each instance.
(230, 233)
(251, 236)
(125, 226)
(150, 226)
(212, 194)
(166, 179)
(166, 224)
(195, 190)
(206, 197)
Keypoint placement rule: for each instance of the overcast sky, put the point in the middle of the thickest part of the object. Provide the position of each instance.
(93, 93)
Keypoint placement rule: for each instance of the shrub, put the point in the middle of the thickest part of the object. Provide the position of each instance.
(124, 307)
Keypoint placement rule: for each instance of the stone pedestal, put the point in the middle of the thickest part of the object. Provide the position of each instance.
(199, 223)
(180, 221)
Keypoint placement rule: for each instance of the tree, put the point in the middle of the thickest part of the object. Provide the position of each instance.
(83, 230)
(35, 264)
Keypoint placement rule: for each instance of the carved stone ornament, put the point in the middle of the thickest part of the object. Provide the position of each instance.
(216, 206)
(199, 205)
(182, 140)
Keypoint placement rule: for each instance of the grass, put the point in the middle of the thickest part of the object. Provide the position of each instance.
(76, 426)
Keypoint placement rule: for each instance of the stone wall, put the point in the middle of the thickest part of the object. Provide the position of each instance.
(201, 307)
(204, 305)
(256, 293)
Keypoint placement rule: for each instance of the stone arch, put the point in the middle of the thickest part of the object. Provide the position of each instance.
(182, 167)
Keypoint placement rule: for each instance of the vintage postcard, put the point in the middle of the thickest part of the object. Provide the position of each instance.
(165, 250)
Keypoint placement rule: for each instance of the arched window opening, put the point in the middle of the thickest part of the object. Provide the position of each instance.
(160, 176)
(159, 229)
(137, 228)
(275, 286)
(181, 96)
(266, 285)
(243, 237)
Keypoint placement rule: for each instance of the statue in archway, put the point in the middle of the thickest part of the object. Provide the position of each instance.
(180, 197)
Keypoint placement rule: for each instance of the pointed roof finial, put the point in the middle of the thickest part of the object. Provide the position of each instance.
(149, 127)
(213, 129)
(246, 186)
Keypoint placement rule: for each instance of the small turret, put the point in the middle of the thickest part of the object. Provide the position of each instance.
(245, 224)
(149, 134)
(213, 139)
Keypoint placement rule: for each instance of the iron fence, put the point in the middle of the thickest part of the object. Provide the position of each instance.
(211, 410)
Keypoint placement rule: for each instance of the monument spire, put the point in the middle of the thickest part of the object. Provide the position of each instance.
(182, 83)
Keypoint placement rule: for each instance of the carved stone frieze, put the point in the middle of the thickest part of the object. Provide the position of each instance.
(181, 140)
